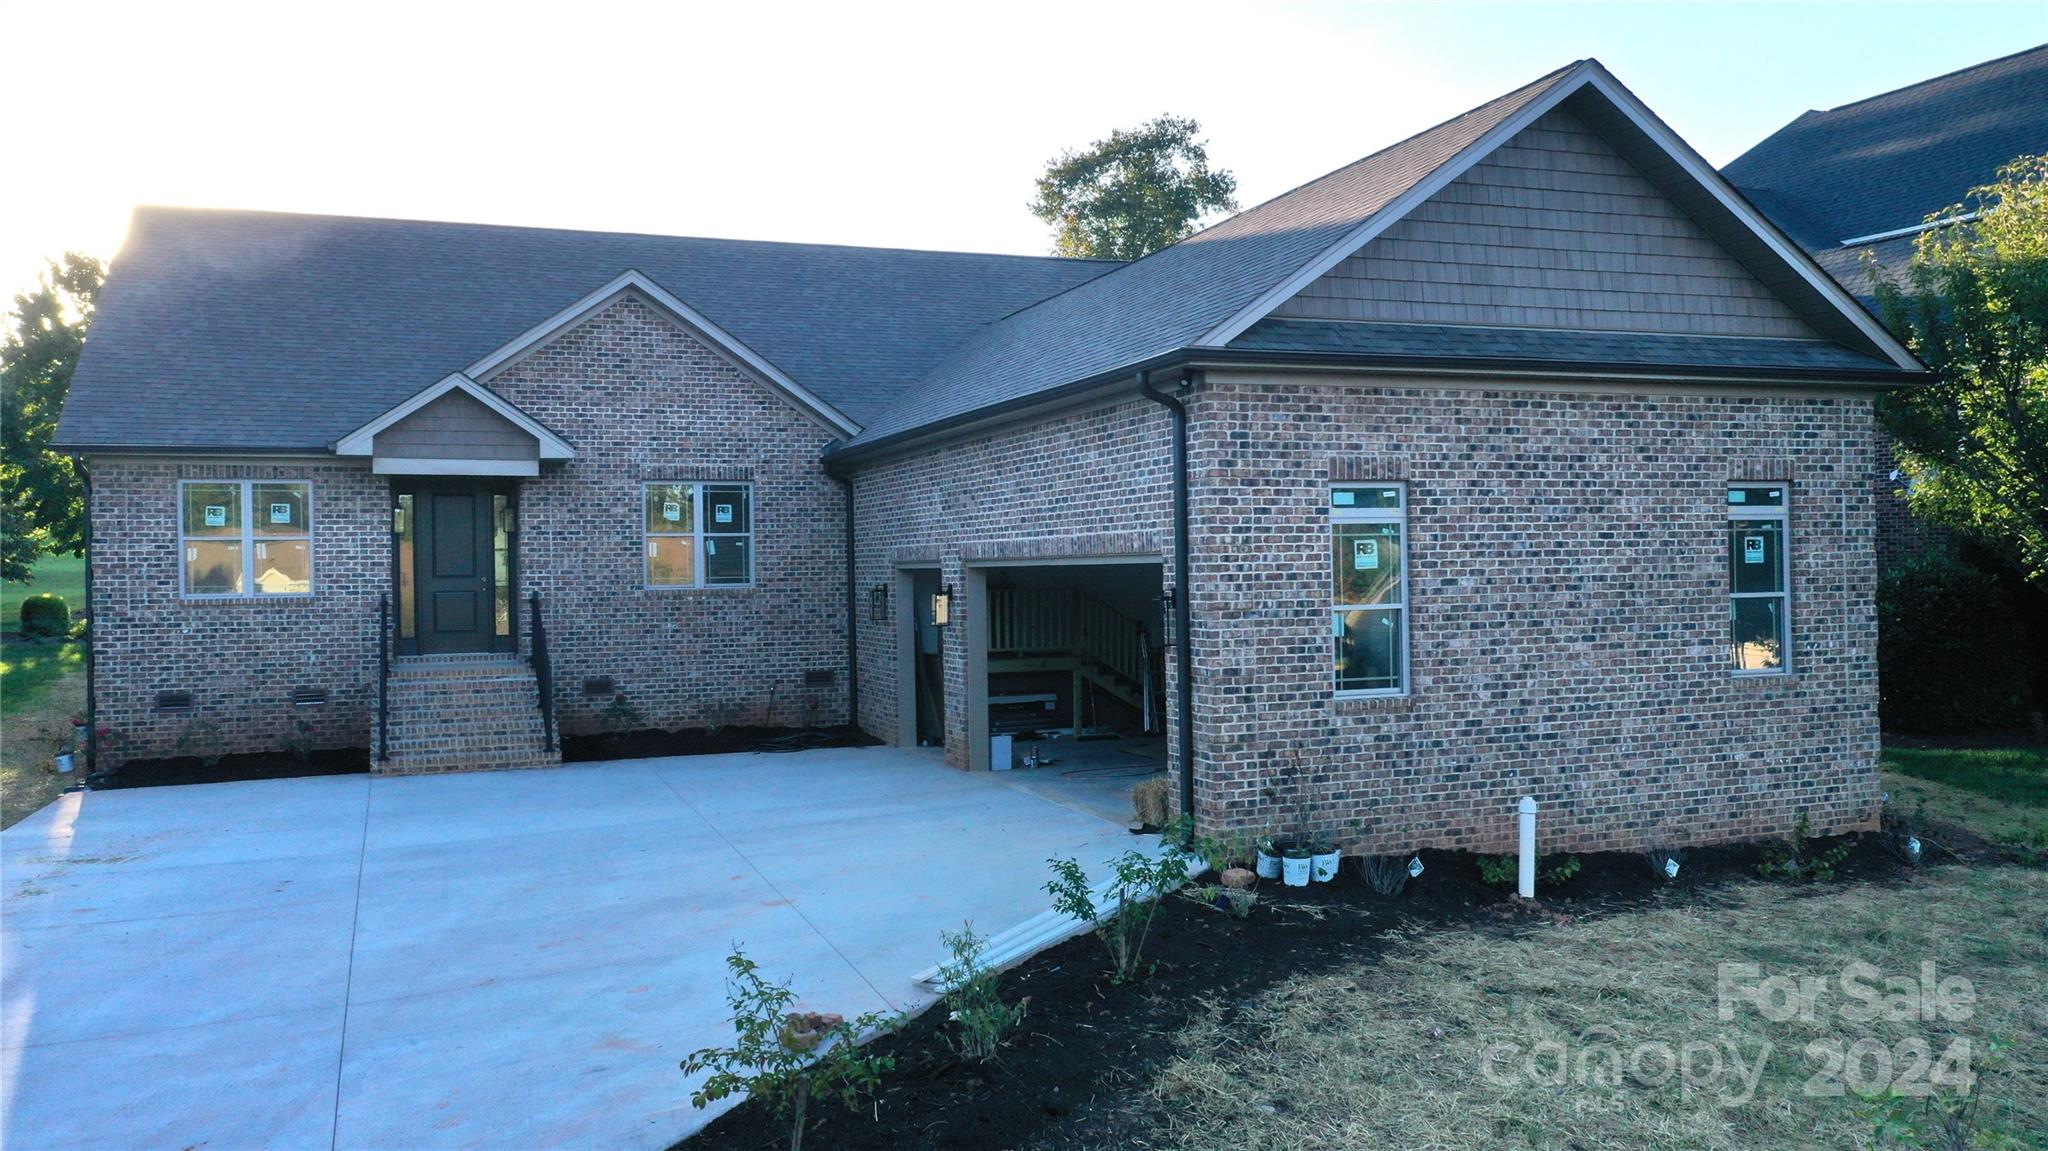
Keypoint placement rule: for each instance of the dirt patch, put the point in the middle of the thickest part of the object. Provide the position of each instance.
(230, 768)
(653, 743)
(1087, 1044)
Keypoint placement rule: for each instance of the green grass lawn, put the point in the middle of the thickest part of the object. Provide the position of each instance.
(42, 685)
(1999, 793)
(60, 575)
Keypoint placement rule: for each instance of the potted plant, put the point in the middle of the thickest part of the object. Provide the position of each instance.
(1268, 852)
(64, 763)
(1323, 860)
(1295, 865)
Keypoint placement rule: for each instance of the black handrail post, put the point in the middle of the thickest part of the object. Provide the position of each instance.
(543, 671)
(383, 678)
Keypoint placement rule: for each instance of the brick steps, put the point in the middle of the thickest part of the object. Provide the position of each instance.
(474, 713)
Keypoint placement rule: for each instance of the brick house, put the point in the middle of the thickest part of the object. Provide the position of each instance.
(1522, 457)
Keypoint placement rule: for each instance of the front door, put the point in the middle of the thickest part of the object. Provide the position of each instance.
(459, 544)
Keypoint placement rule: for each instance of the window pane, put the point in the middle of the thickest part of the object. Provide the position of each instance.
(284, 567)
(725, 559)
(670, 561)
(1380, 497)
(1368, 559)
(671, 508)
(501, 562)
(402, 523)
(1764, 496)
(213, 567)
(213, 509)
(1759, 635)
(726, 510)
(280, 509)
(1756, 555)
(1369, 648)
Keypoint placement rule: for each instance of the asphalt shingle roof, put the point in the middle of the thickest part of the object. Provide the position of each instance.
(1888, 161)
(262, 330)
(1614, 349)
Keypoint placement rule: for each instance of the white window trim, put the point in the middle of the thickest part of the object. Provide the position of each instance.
(1783, 514)
(1394, 515)
(248, 539)
(696, 536)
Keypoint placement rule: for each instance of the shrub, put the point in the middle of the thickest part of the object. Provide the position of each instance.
(201, 738)
(971, 992)
(1793, 859)
(1951, 651)
(1140, 882)
(45, 615)
(1388, 874)
(1506, 870)
(779, 1059)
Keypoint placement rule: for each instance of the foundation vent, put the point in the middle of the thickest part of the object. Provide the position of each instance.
(600, 685)
(309, 697)
(173, 702)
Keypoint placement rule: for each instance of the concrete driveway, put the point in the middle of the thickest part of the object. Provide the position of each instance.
(512, 960)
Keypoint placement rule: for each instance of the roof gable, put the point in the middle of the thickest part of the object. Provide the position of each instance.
(362, 441)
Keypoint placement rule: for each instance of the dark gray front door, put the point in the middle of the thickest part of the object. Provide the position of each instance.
(456, 591)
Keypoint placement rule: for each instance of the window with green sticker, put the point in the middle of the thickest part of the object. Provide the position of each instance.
(699, 534)
(1759, 579)
(246, 538)
(1369, 612)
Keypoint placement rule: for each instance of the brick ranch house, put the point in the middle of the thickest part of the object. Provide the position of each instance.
(1522, 457)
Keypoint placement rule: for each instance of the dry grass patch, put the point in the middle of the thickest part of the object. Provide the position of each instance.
(1454, 1038)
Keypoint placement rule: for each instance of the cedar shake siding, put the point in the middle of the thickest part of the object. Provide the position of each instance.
(1095, 482)
(646, 401)
(1553, 230)
(1568, 584)
(456, 426)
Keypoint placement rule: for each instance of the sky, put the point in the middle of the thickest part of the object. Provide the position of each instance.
(901, 126)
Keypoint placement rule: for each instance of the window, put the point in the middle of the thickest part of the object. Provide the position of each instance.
(700, 535)
(246, 537)
(1368, 531)
(1759, 579)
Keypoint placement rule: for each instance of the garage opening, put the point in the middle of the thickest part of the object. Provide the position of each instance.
(1074, 667)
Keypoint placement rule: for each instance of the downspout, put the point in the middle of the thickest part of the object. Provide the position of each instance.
(1183, 639)
(92, 629)
(852, 616)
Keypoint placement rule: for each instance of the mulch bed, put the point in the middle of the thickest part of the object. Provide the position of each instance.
(229, 768)
(1086, 1045)
(703, 741)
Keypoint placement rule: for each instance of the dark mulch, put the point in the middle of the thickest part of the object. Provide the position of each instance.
(703, 741)
(1087, 1045)
(229, 768)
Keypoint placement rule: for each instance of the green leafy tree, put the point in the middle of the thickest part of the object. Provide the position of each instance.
(44, 506)
(1974, 444)
(1134, 193)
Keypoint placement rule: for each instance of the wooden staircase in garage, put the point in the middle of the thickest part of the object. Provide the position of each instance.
(462, 713)
(1066, 629)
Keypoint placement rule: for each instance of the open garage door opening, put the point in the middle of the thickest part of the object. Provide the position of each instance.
(1073, 666)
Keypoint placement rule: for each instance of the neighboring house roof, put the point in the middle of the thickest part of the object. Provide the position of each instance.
(1888, 162)
(254, 330)
(1208, 289)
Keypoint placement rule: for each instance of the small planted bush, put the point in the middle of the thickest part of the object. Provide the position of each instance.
(972, 997)
(785, 1059)
(1140, 882)
(1794, 858)
(1506, 870)
(1389, 874)
(45, 616)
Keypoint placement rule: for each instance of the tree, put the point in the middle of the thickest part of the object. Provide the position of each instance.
(1134, 193)
(1974, 443)
(44, 506)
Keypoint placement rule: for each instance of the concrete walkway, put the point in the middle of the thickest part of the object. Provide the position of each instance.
(512, 960)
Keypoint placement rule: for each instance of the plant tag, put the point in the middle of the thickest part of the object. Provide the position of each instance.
(216, 515)
(1670, 868)
(1415, 868)
(1912, 847)
(1752, 549)
(1365, 554)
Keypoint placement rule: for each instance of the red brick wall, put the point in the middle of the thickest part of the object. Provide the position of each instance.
(1569, 596)
(241, 658)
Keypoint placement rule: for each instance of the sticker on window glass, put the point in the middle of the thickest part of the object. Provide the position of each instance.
(216, 515)
(1343, 498)
(710, 547)
(280, 513)
(650, 549)
(1738, 496)
(1752, 549)
(671, 511)
(721, 513)
(1365, 555)
(192, 556)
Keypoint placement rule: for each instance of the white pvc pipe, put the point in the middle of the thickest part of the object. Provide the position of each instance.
(1526, 882)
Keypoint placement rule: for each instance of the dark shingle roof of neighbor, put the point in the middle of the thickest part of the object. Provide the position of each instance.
(1614, 349)
(1888, 161)
(230, 329)
(1172, 297)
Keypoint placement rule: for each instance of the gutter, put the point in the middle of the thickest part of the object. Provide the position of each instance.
(1183, 646)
